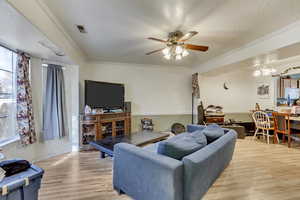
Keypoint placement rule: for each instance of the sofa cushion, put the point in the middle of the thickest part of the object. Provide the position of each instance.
(213, 132)
(194, 127)
(179, 146)
(152, 147)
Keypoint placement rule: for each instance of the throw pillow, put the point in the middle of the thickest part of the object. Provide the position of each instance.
(179, 147)
(213, 132)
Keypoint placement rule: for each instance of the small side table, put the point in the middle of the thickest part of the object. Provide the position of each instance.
(249, 127)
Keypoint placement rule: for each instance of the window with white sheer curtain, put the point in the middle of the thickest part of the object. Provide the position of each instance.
(7, 95)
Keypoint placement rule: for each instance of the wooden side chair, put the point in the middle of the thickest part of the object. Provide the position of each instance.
(263, 123)
(282, 126)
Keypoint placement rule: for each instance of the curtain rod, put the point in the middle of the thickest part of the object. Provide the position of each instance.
(14, 50)
(49, 62)
(45, 64)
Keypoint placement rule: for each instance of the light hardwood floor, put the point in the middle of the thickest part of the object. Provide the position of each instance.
(257, 172)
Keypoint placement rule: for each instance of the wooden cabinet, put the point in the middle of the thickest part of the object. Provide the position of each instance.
(284, 83)
(294, 83)
(97, 126)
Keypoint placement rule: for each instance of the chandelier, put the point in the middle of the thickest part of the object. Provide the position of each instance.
(176, 52)
(262, 65)
(263, 70)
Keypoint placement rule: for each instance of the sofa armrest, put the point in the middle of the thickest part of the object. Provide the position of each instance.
(146, 175)
(203, 167)
(194, 127)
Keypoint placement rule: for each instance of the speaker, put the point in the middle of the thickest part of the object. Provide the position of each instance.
(127, 106)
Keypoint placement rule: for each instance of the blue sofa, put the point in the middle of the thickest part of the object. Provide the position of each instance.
(143, 174)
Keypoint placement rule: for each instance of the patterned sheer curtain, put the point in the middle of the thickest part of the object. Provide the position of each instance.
(25, 119)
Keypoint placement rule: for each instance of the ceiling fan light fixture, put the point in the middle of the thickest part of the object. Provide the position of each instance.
(178, 57)
(166, 51)
(175, 47)
(179, 49)
(167, 56)
(185, 53)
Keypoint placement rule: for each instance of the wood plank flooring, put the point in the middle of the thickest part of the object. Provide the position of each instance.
(258, 171)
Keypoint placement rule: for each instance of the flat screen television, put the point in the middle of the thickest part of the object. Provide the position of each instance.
(104, 95)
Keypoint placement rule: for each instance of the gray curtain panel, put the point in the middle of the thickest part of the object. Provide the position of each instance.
(55, 123)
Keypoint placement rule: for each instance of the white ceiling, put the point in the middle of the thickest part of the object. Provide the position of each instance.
(117, 28)
(18, 33)
(289, 52)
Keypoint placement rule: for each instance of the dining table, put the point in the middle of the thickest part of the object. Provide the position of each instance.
(294, 122)
(294, 126)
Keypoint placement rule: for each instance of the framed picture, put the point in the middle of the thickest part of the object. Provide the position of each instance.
(263, 90)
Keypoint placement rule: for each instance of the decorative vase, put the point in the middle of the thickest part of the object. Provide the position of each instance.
(87, 109)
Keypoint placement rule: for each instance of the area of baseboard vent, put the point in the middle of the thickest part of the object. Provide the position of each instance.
(81, 28)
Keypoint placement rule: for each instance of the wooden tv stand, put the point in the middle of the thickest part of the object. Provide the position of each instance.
(99, 126)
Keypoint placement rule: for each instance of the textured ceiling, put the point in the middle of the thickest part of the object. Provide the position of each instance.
(17, 33)
(117, 28)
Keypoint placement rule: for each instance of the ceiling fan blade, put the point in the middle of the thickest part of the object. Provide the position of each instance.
(155, 39)
(151, 52)
(196, 47)
(187, 36)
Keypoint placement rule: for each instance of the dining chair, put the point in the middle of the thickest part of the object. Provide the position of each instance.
(282, 126)
(263, 123)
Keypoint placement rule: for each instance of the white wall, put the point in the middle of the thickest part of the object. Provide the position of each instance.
(42, 150)
(241, 95)
(151, 89)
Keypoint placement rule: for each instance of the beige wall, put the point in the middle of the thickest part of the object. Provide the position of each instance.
(241, 95)
(162, 93)
(153, 90)
(161, 122)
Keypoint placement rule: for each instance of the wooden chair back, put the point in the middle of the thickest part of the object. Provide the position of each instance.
(281, 122)
(261, 119)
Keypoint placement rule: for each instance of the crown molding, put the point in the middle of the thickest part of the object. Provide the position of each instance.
(127, 64)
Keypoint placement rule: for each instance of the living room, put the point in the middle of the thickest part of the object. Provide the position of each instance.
(149, 100)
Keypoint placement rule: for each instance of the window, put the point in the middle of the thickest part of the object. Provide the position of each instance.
(7, 95)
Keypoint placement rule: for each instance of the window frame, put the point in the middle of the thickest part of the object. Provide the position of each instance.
(11, 96)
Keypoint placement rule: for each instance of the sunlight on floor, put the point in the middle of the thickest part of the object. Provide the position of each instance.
(62, 160)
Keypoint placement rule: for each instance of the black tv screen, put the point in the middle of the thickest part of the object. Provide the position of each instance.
(104, 95)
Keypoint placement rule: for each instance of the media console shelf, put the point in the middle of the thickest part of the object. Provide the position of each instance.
(98, 126)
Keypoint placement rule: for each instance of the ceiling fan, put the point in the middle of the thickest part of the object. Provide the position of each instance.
(176, 48)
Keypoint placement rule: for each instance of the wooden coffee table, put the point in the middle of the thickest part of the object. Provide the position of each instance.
(106, 145)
